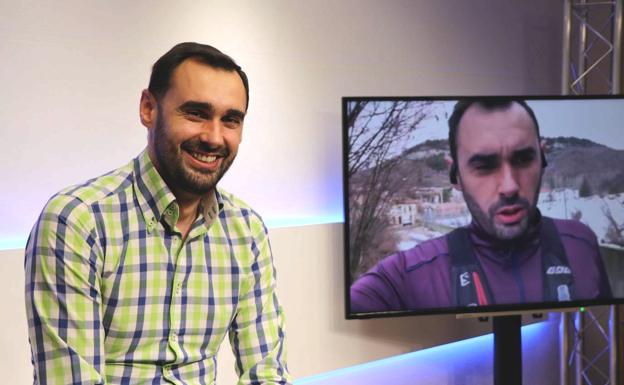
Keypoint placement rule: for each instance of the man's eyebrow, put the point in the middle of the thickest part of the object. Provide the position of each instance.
(525, 151)
(235, 113)
(209, 108)
(191, 104)
(482, 158)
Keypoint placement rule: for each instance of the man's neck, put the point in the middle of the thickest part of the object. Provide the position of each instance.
(188, 205)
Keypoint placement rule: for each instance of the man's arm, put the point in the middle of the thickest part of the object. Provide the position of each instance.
(63, 303)
(374, 292)
(257, 332)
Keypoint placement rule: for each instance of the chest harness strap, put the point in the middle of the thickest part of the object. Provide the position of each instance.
(470, 286)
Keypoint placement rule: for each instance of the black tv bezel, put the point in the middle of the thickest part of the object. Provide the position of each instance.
(536, 307)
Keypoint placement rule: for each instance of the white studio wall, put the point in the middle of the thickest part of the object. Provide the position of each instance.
(69, 108)
(74, 70)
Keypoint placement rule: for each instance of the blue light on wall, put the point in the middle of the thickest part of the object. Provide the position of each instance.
(280, 222)
(14, 243)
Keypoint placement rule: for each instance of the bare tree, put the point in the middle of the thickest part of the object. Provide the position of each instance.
(379, 131)
(615, 230)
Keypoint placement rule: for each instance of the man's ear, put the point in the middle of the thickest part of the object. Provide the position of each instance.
(148, 109)
(458, 186)
(543, 154)
(453, 172)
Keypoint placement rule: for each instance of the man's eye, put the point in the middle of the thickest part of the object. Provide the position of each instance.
(195, 114)
(523, 160)
(231, 120)
(485, 167)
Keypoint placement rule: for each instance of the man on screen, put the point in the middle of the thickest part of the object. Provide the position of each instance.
(137, 276)
(510, 253)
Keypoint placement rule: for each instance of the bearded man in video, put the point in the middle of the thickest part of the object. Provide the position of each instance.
(509, 253)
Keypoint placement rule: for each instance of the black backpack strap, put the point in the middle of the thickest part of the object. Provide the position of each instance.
(558, 281)
(468, 283)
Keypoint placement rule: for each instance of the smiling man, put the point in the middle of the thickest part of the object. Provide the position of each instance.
(137, 276)
(510, 253)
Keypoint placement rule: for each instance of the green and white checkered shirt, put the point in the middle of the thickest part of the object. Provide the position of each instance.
(115, 296)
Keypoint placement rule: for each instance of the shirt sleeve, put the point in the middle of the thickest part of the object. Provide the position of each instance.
(63, 301)
(376, 290)
(257, 331)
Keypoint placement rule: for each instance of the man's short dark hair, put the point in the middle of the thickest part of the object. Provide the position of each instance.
(162, 71)
(489, 104)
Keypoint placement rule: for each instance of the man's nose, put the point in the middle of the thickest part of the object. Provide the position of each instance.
(212, 132)
(508, 185)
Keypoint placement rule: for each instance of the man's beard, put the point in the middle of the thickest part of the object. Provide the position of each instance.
(501, 231)
(176, 173)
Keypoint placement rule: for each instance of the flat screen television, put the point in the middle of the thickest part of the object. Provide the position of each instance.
(523, 209)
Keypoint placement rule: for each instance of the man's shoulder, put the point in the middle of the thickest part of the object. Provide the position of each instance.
(232, 201)
(73, 207)
(427, 253)
(574, 230)
(236, 208)
(101, 187)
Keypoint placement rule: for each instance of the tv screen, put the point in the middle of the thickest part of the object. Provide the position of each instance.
(482, 204)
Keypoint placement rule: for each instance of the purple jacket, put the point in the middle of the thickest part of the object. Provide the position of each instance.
(420, 278)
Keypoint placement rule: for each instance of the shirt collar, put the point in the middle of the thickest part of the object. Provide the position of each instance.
(152, 192)
(211, 205)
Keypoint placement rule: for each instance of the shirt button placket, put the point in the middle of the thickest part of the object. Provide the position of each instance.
(168, 374)
(174, 312)
(176, 245)
(175, 309)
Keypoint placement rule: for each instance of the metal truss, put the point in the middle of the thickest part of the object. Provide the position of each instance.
(591, 341)
(592, 47)
(589, 346)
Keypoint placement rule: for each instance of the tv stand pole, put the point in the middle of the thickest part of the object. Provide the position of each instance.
(507, 350)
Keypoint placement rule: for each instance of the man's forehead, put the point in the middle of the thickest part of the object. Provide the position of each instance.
(195, 80)
(483, 129)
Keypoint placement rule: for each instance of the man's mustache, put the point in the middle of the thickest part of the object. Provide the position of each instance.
(514, 200)
(196, 145)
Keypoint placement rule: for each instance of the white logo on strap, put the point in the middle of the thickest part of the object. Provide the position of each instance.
(464, 279)
(555, 270)
(563, 293)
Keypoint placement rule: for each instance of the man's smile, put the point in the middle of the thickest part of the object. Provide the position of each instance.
(204, 158)
(204, 162)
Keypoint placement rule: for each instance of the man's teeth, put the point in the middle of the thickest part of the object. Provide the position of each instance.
(204, 158)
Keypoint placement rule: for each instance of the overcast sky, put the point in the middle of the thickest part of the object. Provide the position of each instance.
(601, 121)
